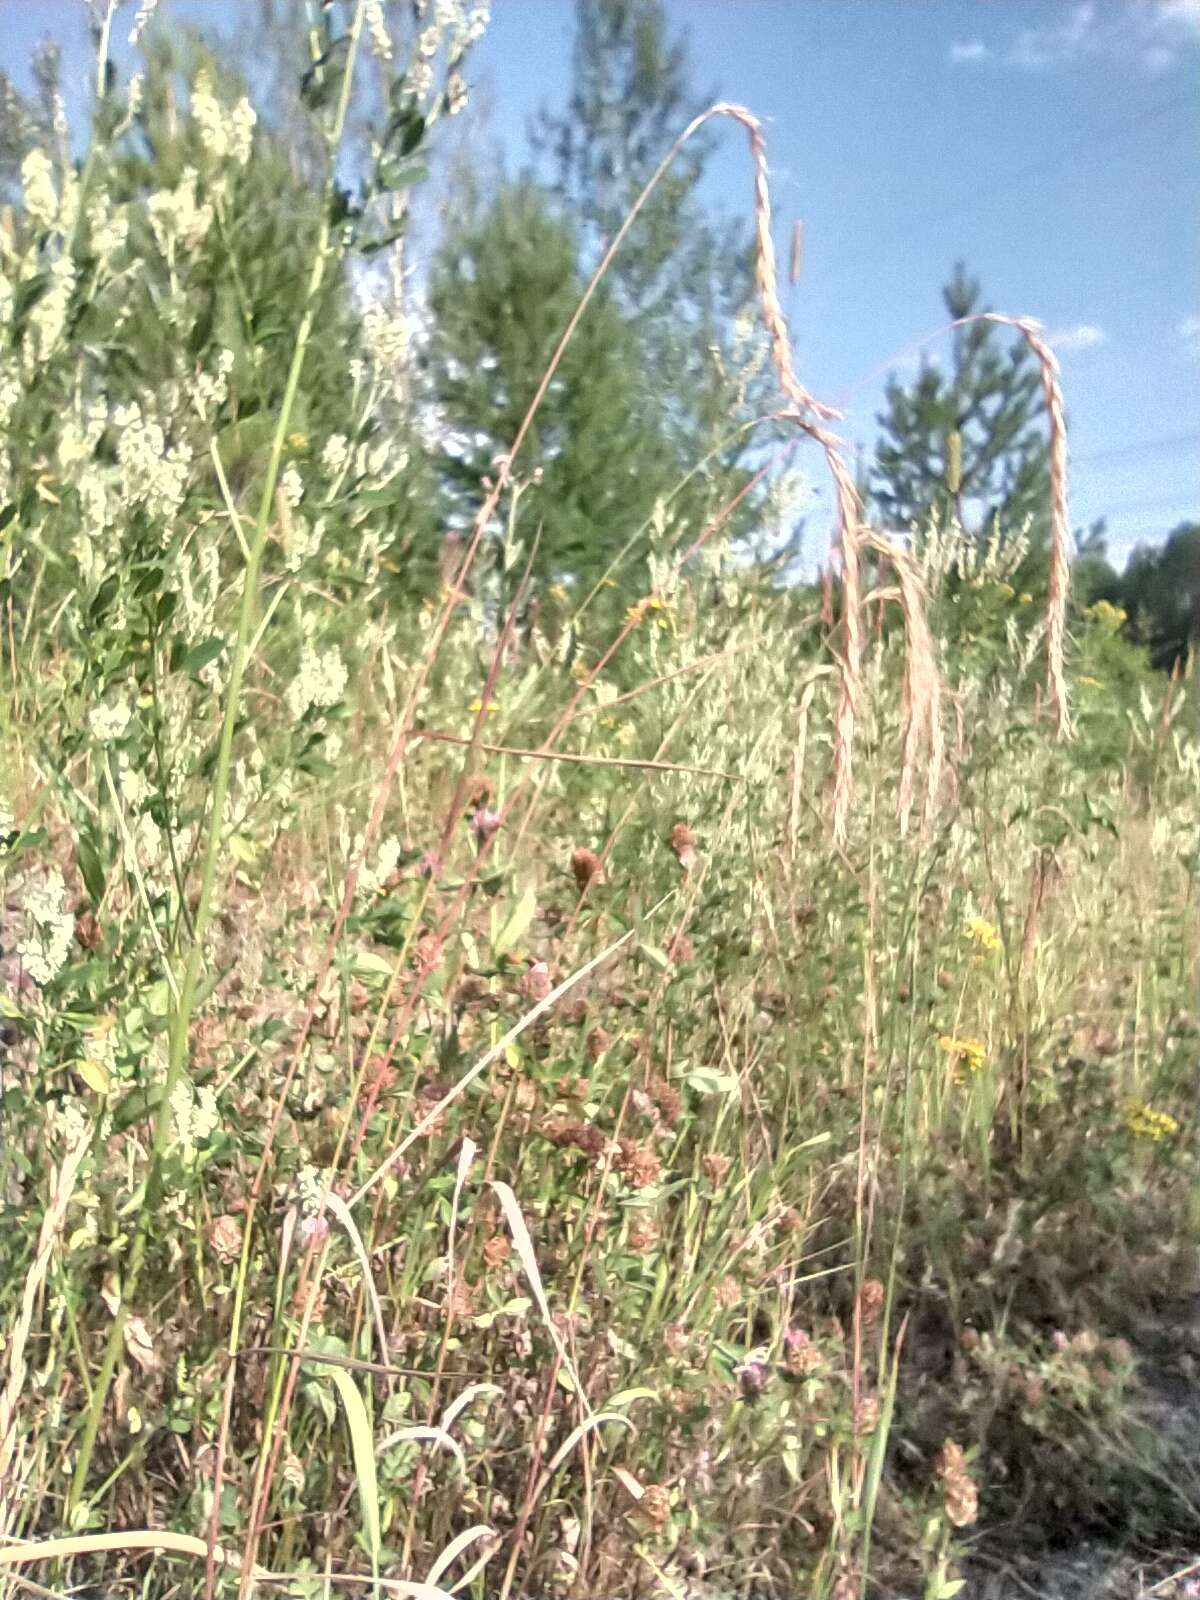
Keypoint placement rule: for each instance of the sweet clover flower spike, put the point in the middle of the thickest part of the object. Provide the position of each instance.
(320, 680)
(46, 946)
(109, 722)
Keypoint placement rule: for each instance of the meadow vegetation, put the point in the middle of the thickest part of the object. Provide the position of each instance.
(515, 1086)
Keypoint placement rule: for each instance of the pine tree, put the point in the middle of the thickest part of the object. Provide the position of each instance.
(503, 287)
(681, 278)
(970, 445)
(1160, 589)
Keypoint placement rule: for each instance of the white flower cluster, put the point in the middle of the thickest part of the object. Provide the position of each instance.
(108, 230)
(49, 315)
(132, 782)
(373, 19)
(292, 485)
(109, 722)
(194, 1113)
(371, 879)
(70, 1121)
(333, 457)
(151, 475)
(145, 11)
(79, 436)
(320, 680)
(225, 133)
(456, 93)
(176, 217)
(311, 1187)
(10, 393)
(37, 184)
(46, 946)
(210, 388)
(304, 542)
(387, 335)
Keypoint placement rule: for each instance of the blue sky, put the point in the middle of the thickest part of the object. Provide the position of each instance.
(1050, 143)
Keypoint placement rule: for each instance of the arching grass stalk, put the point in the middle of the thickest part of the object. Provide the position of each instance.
(181, 1012)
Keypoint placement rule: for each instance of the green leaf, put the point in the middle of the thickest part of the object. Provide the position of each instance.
(655, 956)
(362, 1445)
(139, 1105)
(201, 654)
(320, 82)
(95, 1074)
(706, 1080)
(627, 1396)
(91, 870)
(517, 924)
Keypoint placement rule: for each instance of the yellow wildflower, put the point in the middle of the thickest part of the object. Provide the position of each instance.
(559, 595)
(983, 936)
(1107, 614)
(969, 1054)
(644, 607)
(298, 441)
(1145, 1123)
(1089, 683)
(477, 705)
(1025, 598)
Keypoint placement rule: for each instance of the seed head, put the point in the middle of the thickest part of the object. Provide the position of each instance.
(587, 867)
(683, 842)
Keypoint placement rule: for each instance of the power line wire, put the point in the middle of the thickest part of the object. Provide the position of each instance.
(1032, 169)
(1144, 446)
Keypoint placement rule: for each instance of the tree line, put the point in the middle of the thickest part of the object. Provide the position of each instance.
(660, 410)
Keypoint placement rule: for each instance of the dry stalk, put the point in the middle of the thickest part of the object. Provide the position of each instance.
(922, 689)
(849, 507)
(35, 1278)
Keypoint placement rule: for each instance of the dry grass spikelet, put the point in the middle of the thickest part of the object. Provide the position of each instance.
(922, 690)
(810, 415)
(1060, 561)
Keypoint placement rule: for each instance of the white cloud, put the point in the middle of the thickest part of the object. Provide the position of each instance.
(1151, 33)
(1158, 58)
(1189, 332)
(1084, 336)
(1180, 15)
(1057, 44)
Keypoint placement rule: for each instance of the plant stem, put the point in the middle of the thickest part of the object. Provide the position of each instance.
(181, 1013)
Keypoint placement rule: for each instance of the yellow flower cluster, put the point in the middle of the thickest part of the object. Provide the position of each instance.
(644, 607)
(1106, 613)
(1146, 1123)
(983, 936)
(969, 1054)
